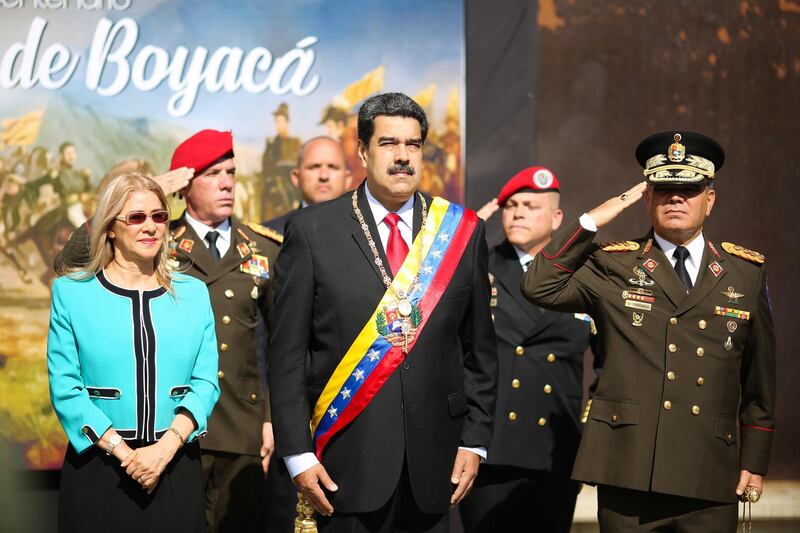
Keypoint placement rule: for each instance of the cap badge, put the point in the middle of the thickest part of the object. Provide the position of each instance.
(676, 152)
(543, 179)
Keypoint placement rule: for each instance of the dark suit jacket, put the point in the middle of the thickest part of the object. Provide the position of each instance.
(664, 417)
(235, 425)
(540, 353)
(278, 223)
(440, 397)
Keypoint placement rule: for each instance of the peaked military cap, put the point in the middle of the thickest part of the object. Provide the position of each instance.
(679, 157)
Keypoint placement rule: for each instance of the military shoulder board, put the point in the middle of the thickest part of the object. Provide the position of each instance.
(743, 253)
(619, 246)
(264, 231)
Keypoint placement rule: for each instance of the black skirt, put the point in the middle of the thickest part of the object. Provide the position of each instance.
(97, 495)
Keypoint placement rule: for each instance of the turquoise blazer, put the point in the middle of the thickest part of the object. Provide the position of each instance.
(130, 359)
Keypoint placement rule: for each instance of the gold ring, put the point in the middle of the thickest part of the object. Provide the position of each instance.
(623, 196)
(753, 494)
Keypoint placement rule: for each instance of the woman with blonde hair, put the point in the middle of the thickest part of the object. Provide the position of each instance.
(132, 361)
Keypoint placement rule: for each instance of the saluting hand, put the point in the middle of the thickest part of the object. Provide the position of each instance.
(308, 483)
(174, 180)
(608, 211)
(488, 209)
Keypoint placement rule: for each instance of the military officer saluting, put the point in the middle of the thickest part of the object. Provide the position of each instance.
(537, 418)
(234, 260)
(682, 421)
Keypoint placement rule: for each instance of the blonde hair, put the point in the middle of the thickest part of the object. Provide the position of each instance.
(113, 196)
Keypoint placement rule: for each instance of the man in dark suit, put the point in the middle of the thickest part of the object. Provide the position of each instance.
(412, 448)
(537, 419)
(683, 417)
(234, 260)
(320, 175)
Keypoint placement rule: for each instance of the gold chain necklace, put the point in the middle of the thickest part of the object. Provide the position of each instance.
(404, 306)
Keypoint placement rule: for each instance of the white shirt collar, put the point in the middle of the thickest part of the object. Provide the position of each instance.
(524, 257)
(379, 211)
(695, 248)
(202, 230)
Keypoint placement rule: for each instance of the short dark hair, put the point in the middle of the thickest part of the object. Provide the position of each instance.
(390, 105)
(63, 147)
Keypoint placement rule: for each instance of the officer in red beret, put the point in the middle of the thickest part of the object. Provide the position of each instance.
(525, 483)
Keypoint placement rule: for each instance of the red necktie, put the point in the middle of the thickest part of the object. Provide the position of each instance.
(396, 248)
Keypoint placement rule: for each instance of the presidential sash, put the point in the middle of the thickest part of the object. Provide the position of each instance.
(397, 322)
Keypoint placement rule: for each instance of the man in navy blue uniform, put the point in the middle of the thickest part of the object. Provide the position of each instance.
(525, 482)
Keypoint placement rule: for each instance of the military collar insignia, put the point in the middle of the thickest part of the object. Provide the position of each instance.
(713, 249)
(619, 246)
(243, 250)
(648, 246)
(264, 231)
(650, 264)
(178, 232)
(186, 245)
(251, 244)
(715, 268)
(743, 253)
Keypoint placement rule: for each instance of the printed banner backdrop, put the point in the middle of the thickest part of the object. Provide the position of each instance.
(91, 88)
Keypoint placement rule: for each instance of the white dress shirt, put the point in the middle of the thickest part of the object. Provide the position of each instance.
(695, 247)
(524, 258)
(224, 230)
(299, 463)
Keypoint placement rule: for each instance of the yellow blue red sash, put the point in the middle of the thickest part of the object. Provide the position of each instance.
(378, 349)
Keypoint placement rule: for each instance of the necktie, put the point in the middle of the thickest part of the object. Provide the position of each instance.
(396, 247)
(681, 254)
(212, 237)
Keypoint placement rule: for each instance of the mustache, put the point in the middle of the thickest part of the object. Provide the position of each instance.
(398, 168)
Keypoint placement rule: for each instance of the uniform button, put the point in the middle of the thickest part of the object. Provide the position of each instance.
(85, 430)
(542, 421)
(223, 347)
(515, 383)
(672, 348)
(614, 418)
(116, 394)
(668, 405)
(406, 366)
(551, 357)
(671, 375)
(226, 320)
(700, 381)
(700, 352)
(96, 393)
(512, 416)
(729, 436)
(220, 374)
(520, 350)
(548, 389)
(702, 324)
(695, 409)
(673, 321)
(253, 397)
(228, 293)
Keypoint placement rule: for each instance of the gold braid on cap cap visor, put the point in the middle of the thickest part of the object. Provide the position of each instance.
(694, 168)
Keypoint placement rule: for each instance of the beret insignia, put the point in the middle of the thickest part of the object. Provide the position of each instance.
(619, 246)
(264, 231)
(743, 253)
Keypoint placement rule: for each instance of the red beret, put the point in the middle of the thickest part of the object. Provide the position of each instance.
(202, 149)
(533, 179)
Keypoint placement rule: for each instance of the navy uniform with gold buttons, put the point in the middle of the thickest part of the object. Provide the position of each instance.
(683, 416)
(540, 387)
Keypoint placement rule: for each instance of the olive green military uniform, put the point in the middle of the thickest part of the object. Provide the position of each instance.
(241, 288)
(687, 394)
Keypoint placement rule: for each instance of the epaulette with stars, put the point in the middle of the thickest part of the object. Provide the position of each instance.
(264, 231)
(743, 253)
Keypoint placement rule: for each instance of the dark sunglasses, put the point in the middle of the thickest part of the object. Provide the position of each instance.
(135, 218)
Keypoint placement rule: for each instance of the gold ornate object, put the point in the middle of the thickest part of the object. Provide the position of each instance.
(676, 152)
(743, 253)
(304, 523)
(620, 246)
(753, 494)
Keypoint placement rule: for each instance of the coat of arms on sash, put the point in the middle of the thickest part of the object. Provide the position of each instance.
(398, 323)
